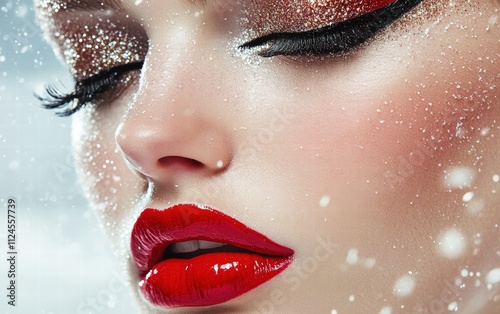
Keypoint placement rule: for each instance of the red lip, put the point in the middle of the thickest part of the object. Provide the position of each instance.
(206, 279)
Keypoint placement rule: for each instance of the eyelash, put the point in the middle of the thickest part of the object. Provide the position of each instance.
(335, 39)
(85, 90)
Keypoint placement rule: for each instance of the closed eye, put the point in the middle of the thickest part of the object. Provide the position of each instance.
(334, 39)
(86, 90)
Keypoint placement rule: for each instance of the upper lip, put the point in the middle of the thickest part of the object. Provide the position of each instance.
(156, 229)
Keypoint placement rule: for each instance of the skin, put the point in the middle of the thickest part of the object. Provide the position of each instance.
(376, 131)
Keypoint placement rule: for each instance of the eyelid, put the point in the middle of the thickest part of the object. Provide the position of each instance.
(336, 38)
(90, 43)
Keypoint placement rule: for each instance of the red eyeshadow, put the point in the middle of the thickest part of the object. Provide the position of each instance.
(301, 15)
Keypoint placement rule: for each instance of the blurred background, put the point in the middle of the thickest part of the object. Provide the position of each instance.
(63, 260)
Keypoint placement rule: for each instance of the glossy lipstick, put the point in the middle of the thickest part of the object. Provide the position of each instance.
(246, 260)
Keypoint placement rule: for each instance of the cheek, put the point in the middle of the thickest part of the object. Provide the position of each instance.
(107, 182)
(434, 117)
(390, 124)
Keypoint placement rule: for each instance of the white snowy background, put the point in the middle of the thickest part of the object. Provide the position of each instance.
(64, 264)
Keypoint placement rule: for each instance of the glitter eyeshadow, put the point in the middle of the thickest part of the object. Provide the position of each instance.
(301, 15)
(91, 41)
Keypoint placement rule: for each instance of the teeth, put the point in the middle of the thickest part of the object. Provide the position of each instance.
(209, 244)
(194, 245)
(185, 247)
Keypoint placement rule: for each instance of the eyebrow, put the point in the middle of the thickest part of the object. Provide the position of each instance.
(95, 5)
(90, 5)
(197, 2)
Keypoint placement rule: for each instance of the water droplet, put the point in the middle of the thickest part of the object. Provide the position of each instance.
(464, 273)
(459, 177)
(485, 131)
(14, 164)
(370, 262)
(352, 256)
(491, 22)
(493, 276)
(21, 11)
(386, 310)
(451, 244)
(453, 306)
(468, 197)
(475, 206)
(404, 286)
(324, 201)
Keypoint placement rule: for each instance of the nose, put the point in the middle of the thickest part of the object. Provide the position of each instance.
(172, 130)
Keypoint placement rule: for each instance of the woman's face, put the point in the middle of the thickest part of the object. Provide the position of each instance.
(378, 167)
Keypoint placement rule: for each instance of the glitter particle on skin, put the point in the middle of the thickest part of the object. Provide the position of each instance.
(468, 197)
(451, 244)
(301, 15)
(104, 38)
(404, 286)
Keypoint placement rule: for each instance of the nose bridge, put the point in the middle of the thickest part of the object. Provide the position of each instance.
(171, 125)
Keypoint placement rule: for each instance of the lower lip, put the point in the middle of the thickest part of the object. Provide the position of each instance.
(208, 279)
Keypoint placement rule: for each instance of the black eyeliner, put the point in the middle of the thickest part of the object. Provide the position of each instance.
(85, 90)
(336, 38)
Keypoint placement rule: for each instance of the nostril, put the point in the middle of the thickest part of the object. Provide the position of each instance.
(181, 163)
